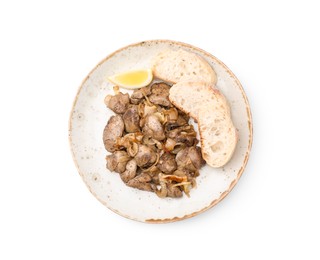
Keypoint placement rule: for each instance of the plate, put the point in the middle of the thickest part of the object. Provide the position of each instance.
(89, 116)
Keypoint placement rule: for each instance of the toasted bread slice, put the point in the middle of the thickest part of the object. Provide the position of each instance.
(190, 97)
(181, 65)
(218, 136)
(210, 108)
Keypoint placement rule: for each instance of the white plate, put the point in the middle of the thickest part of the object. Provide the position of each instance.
(89, 116)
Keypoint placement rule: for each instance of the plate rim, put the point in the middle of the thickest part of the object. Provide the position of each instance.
(250, 127)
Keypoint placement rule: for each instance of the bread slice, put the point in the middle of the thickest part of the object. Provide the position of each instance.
(209, 107)
(175, 66)
(192, 96)
(218, 136)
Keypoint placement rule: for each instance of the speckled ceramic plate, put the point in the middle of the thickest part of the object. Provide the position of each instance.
(89, 116)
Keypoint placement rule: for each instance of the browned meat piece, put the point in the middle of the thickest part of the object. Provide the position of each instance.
(141, 182)
(182, 129)
(155, 179)
(196, 157)
(173, 191)
(167, 163)
(153, 172)
(117, 103)
(145, 156)
(112, 131)
(160, 100)
(160, 94)
(131, 120)
(139, 94)
(152, 143)
(181, 121)
(160, 89)
(190, 158)
(153, 127)
(171, 114)
(184, 116)
(143, 177)
(183, 172)
(187, 138)
(184, 134)
(117, 161)
(130, 172)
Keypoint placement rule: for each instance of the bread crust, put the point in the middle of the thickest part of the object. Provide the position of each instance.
(218, 145)
(199, 94)
(180, 65)
(208, 106)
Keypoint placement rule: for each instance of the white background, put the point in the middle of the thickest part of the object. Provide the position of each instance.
(46, 50)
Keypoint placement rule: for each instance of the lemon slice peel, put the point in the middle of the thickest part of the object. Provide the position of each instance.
(132, 79)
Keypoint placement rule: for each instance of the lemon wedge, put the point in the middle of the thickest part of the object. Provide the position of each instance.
(132, 79)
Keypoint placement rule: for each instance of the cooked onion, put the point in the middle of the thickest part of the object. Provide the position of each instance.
(172, 114)
(133, 149)
(170, 144)
(178, 147)
(162, 131)
(161, 117)
(163, 191)
(175, 178)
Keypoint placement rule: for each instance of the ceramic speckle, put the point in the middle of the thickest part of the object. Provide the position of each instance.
(89, 116)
